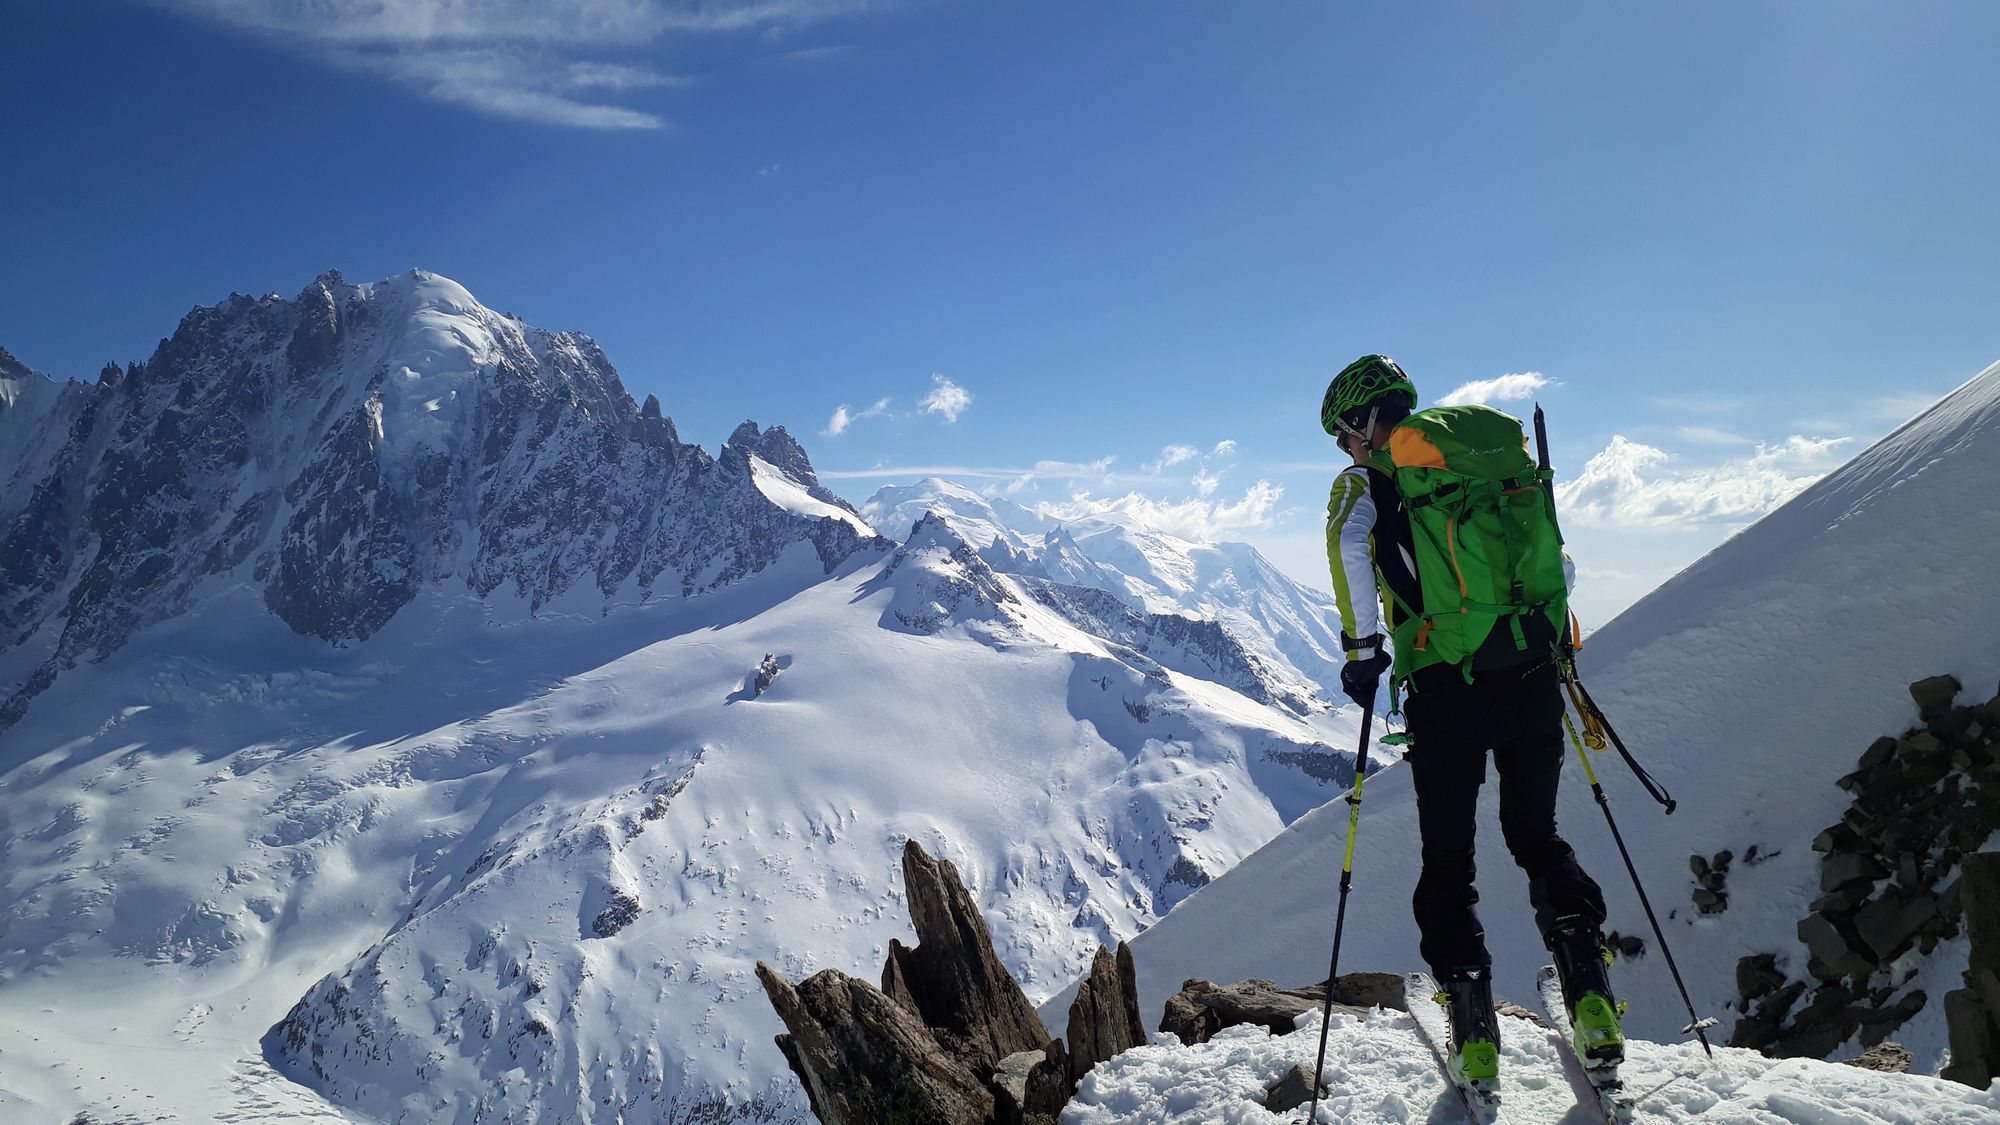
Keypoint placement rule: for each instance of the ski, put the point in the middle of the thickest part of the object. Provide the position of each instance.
(1420, 991)
(1605, 1085)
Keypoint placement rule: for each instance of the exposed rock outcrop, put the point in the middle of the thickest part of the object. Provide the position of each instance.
(956, 981)
(1891, 1058)
(1104, 1017)
(1200, 1009)
(949, 1037)
(1924, 802)
(864, 1058)
(1972, 1013)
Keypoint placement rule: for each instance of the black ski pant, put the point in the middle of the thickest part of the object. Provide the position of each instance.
(1517, 714)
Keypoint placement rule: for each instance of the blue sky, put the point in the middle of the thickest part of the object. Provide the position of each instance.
(1126, 242)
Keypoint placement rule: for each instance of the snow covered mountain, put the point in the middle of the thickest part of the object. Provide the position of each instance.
(346, 449)
(1292, 628)
(1747, 684)
(410, 727)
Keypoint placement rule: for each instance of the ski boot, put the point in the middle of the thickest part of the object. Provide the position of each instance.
(1474, 1059)
(1582, 963)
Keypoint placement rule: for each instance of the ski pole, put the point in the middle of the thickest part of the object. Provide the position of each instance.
(1696, 1024)
(1346, 883)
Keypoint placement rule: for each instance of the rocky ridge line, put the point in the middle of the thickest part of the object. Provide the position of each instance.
(345, 450)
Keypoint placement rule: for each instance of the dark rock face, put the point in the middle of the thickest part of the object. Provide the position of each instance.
(932, 1044)
(864, 1058)
(941, 1041)
(1104, 1017)
(1031, 1087)
(1200, 1009)
(1757, 976)
(620, 912)
(956, 980)
(1934, 695)
(344, 450)
(1972, 1013)
(1922, 802)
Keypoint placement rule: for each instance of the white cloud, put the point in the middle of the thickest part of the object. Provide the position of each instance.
(845, 416)
(1197, 519)
(1099, 469)
(1205, 483)
(1501, 388)
(946, 398)
(1224, 448)
(1636, 484)
(548, 61)
(1901, 406)
(1711, 435)
(1169, 457)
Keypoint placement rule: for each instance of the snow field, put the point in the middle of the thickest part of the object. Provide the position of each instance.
(430, 825)
(1379, 1072)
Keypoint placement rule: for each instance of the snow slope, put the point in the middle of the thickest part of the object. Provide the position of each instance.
(484, 867)
(1747, 684)
(1379, 1073)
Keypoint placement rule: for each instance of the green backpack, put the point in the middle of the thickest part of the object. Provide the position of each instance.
(1488, 552)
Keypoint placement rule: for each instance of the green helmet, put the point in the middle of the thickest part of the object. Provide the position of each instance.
(1359, 384)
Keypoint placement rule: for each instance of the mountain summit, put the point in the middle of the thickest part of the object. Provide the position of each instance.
(343, 450)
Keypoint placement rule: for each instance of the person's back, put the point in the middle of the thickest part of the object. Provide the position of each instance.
(1442, 538)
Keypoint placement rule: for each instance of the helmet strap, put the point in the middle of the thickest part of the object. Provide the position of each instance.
(1364, 435)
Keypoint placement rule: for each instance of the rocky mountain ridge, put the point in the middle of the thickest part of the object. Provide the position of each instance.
(343, 450)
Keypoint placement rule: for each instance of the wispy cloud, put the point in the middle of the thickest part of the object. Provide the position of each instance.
(1173, 455)
(946, 398)
(1099, 469)
(845, 416)
(1900, 407)
(1633, 483)
(557, 62)
(1711, 435)
(1193, 518)
(1500, 388)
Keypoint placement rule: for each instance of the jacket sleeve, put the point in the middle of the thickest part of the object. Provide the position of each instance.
(1350, 521)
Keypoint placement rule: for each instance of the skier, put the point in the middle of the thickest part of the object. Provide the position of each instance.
(1481, 674)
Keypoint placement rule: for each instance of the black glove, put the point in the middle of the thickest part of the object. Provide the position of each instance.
(1362, 674)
